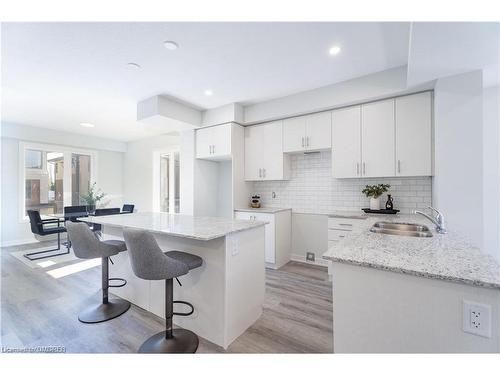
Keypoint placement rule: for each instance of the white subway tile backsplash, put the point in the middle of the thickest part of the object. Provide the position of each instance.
(312, 189)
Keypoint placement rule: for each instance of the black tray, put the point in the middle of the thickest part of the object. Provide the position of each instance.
(384, 211)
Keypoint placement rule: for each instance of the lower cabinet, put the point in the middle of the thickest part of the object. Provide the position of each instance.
(278, 234)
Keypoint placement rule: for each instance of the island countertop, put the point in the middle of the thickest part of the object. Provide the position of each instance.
(187, 226)
(444, 256)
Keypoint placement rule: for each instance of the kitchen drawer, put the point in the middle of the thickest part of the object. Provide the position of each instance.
(336, 234)
(343, 224)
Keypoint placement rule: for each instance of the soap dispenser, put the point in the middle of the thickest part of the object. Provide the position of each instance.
(389, 205)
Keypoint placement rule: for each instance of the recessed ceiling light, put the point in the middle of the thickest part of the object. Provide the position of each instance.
(171, 45)
(87, 125)
(209, 92)
(133, 65)
(334, 50)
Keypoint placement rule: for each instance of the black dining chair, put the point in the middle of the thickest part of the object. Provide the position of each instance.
(38, 227)
(72, 213)
(103, 212)
(128, 208)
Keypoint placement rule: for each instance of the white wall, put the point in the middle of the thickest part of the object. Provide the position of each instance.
(491, 170)
(138, 169)
(375, 86)
(458, 181)
(109, 173)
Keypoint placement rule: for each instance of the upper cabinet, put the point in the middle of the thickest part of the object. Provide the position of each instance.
(383, 139)
(307, 133)
(264, 158)
(214, 143)
(377, 139)
(413, 135)
(346, 142)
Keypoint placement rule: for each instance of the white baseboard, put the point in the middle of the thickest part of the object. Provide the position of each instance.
(302, 258)
(24, 241)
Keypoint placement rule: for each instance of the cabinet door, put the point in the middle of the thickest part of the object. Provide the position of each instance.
(243, 215)
(413, 135)
(294, 134)
(203, 142)
(319, 131)
(272, 161)
(270, 235)
(377, 139)
(221, 140)
(346, 142)
(254, 152)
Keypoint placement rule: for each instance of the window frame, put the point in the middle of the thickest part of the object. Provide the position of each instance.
(67, 153)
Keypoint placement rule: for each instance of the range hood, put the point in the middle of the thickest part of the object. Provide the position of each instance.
(164, 114)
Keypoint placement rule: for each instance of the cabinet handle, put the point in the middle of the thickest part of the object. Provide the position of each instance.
(307, 141)
(302, 141)
(260, 172)
(399, 166)
(357, 169)
(345, 225)
(264, 172)
(364, 168)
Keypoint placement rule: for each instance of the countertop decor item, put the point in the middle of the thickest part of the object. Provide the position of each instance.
(92, 198)
(255, 202)
(374, 192)
(389, 205)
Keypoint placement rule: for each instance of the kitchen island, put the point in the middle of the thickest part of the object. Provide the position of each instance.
(227, 291)
(393, 293)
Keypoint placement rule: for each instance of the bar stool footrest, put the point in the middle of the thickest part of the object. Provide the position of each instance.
(187, 304)
(123, 282)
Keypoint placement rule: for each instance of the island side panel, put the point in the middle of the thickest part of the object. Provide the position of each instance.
(376, 311)
(245, 280)
(203, 287)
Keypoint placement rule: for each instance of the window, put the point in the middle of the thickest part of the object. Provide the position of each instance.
(166, 181)
(53, 177)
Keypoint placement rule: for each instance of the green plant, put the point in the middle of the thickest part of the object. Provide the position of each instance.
(375, 191)
(93, 196)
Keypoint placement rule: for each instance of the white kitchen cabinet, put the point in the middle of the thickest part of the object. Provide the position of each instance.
(307, 133)
(264, 158)
(214, 142)
(346, 142)
(277, 233)
(377, 139)
(414, 135)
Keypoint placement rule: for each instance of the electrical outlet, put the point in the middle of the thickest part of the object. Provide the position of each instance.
(310, 256)
(477, 318)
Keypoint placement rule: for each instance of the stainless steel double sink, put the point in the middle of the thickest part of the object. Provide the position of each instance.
(401, 229)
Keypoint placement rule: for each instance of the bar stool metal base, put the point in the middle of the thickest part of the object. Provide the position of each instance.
(104, 311)
(183, 341)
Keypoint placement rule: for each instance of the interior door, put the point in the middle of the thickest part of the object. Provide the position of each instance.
(319, 131)
(346, 142)
(377, 139)
(294, 132)
(413, 135)
(273, 150)
(254, 152)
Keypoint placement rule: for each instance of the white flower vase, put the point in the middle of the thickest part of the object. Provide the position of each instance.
(375, 203)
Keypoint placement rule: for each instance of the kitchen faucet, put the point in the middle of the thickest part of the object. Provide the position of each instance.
(438, 220)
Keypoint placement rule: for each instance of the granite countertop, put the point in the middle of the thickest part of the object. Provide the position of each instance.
(444, 256)
(194, 227)
(267, 210)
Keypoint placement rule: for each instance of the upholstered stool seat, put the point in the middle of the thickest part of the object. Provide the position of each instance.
(149, 262)
(87, 246)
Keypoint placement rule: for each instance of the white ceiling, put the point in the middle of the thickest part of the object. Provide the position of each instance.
(447, 48)
(56, 75)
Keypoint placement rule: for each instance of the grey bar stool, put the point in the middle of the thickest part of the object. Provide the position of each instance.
(87, 246)
(150, 263)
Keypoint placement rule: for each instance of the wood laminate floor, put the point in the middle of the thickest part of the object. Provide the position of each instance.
(38, 310)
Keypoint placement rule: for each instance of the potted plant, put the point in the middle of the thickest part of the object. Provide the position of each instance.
(374, 192)
(92, 198)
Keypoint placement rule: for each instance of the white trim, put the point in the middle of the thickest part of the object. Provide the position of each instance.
(302, 258)
(66, 151)
(24, 241)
